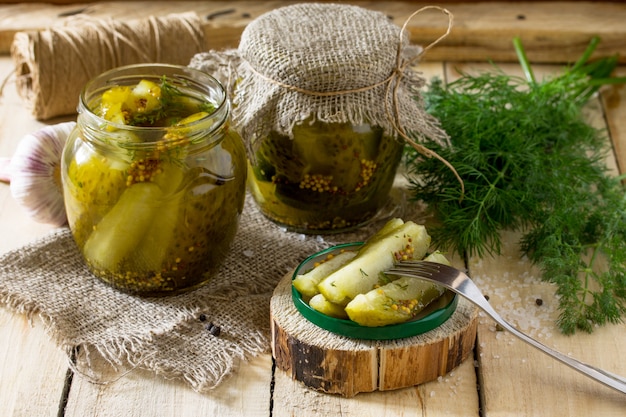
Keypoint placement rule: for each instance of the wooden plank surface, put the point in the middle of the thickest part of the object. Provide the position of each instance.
(615, 111)
(551, 31)
(510, 373)
(513, 379)
(22, 341)
(139, 393)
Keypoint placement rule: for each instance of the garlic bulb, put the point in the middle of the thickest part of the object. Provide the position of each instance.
(35, 173)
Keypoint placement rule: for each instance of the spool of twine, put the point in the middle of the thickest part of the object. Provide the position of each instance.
(53, 65)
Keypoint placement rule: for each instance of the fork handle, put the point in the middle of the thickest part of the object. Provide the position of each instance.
(607, 378)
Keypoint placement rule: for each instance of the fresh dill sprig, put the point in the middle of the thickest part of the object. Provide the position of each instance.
(581, 247)
(531, 162)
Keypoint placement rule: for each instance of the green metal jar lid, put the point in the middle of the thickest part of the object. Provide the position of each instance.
(430, 318)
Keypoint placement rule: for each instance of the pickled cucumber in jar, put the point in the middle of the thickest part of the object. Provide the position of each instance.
(153, 186)
(329, 177)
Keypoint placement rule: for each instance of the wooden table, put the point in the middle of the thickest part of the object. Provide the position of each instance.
(505, 378)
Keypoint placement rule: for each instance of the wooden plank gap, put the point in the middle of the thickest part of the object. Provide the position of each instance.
(69, 377)
(272, 387)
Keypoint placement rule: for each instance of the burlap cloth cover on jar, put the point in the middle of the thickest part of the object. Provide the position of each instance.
(308, 60)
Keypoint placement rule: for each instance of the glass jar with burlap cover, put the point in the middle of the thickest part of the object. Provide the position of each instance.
(324, 96)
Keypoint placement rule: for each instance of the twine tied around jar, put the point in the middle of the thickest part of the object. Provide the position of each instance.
(392, 83)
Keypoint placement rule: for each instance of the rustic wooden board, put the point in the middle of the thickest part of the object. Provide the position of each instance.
(139, 393)
(551, 31)
(43, 384)
(40, 374)
(613, 100)
(334, 364)
(515, 380)
(452, 395)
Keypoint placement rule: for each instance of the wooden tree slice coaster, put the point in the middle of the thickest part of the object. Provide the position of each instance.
(336, 364)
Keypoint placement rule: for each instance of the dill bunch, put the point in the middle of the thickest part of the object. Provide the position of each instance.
(531, 162)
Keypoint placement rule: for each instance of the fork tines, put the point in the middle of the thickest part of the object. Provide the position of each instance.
(416, 267)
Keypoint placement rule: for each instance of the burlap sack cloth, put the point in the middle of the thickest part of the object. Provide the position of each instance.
(165, 335)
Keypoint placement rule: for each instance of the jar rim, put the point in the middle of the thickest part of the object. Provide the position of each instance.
(206, 84)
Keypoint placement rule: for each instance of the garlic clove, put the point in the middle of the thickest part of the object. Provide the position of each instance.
(35, 173)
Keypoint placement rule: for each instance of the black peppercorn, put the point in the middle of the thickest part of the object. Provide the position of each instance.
(213, 329)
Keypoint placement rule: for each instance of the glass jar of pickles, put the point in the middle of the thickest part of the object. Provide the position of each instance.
(324, 97)
(328, 177)
(154, 178)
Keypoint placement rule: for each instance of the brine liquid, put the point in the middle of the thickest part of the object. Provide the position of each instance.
(327, 178)
(159, 235)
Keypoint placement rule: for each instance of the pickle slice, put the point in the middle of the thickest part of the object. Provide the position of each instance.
(365, 271)
(123, 227)
(337, 149)
(277, 152)
(153, 248)
(322, 305)
(397, 301)
(306, 284)
(152, 251)
(391, 226)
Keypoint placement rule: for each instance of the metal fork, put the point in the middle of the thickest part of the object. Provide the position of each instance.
(460, 283)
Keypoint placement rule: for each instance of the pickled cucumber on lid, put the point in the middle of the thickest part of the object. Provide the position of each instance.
(363, 272)
(306, 283)
(395, 302)
(321, 304)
